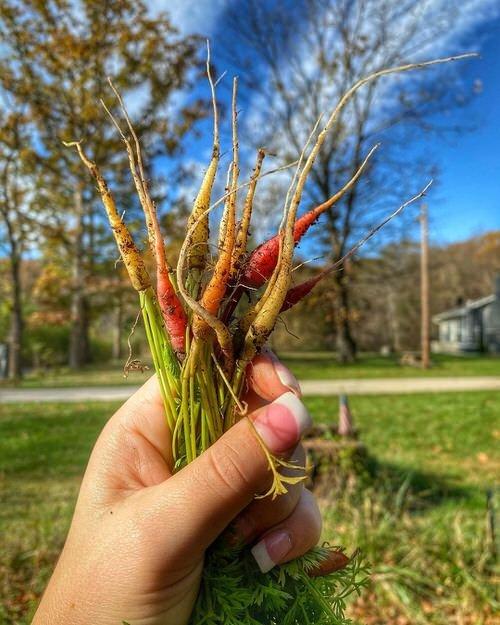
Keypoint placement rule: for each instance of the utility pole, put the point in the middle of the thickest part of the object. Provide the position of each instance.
(424, 287)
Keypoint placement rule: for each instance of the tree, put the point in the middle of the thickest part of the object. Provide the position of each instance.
(301, 57)
(15, 167)
(56, 57)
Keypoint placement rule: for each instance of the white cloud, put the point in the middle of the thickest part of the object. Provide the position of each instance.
(460, 20)
(192, 16)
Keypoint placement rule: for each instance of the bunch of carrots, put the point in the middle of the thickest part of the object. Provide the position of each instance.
(201, 331)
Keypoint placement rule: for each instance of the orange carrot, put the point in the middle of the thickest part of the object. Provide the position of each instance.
(216, 287)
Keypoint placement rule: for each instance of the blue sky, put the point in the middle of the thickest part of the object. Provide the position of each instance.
(466, 198)
(469, 191)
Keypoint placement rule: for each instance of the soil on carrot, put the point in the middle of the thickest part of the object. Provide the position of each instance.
(421, 522)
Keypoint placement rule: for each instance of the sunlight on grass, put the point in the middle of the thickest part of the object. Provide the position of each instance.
(416, 541)
(323, 366)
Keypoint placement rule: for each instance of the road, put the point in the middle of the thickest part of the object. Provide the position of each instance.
(379, 386)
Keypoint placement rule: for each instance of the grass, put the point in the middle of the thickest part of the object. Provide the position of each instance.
(323, 366)
(92, 375)
(306, 365)
(425, 536)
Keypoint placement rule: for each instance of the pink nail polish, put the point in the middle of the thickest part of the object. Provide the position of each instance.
(272, 550)
(283, 422)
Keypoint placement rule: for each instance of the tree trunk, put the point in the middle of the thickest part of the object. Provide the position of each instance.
(14, 368)
(79, 341)
(346, 346)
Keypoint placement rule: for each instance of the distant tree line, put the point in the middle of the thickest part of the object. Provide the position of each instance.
(385, 290)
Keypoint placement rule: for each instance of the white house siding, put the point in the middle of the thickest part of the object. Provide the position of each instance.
(474, 326)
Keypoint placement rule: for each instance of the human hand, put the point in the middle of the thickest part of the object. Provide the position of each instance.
(136, 545)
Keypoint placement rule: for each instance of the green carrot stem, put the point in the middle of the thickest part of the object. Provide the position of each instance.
(165, 387)
(185, 415)
(321, 600)
(209, 399)
(194, 409)
(237, 387)
(204, 433)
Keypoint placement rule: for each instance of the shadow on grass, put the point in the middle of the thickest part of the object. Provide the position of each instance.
(422, 490)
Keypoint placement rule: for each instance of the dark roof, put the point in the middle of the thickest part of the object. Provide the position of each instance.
(461, 311)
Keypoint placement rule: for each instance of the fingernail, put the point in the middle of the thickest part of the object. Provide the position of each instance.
(272, 550)
(284, 374)
(282, 423)
(287, 378)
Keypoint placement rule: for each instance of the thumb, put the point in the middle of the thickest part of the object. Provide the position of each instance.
(213, 489)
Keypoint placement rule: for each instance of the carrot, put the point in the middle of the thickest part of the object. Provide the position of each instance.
(263, 259)
(335, 561)
(216, 287)
(268, 308)
(172, 311)
(129, 252)
(298, 292)
(196, 258)
(171, 308)
(240, 246)
(259, 321)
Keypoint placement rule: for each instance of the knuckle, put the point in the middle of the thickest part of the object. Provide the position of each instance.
(227, 469)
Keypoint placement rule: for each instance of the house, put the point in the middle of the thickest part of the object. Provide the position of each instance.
(470, 327)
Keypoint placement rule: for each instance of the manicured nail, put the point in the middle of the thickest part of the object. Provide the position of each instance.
(282, 423)
(284, 374)
(272, 550)
(287, 378)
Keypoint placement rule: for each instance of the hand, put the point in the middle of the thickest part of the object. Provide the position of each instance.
(136, 544)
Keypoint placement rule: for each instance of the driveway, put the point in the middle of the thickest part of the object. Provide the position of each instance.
(380, 386)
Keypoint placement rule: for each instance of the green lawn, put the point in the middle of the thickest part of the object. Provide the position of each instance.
(103, 375)
(306, 366)
(424, 534)
(323, 366)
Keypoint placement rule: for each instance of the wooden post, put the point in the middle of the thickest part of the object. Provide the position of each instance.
(424, 287)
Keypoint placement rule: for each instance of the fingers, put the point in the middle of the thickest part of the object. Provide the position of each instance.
(144, 413)
(134, 448)
(212, 490)
(262, 514)
(291, 538)
(267, 379)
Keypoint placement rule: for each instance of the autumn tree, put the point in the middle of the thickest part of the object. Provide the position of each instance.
(12, 235)
(17, 165)
(297, 58)
(56, 57)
